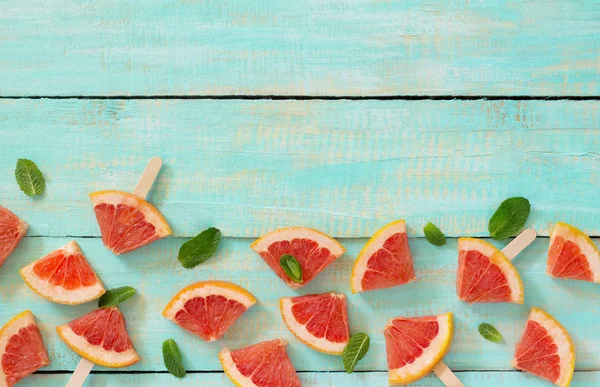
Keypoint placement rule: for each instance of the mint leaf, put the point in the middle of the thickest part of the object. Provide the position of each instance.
(490, 333)
(292, 268)
(509, 218)
(114, 297)
(434, 235)
(172, 358)
(29, 177)
(357, 348)
(199, 248)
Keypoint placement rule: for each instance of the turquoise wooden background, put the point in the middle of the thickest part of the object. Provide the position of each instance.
(92, 90)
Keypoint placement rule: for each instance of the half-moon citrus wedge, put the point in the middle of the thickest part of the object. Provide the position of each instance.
(385, 261)
(485, 274)
(64, 276)
(12, 230)
(101, 337)
(207, 309)
(573, 255)
(545, 349)
(313, 250)
(22, 350)
(265, 364)
(126, 221)
(414, 345)
(318, 320)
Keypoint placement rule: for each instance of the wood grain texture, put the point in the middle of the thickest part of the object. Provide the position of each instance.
(157, 275)
(289, 47)
(344, 167)
(470, 379)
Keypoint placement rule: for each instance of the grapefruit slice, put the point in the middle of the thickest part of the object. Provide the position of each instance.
(485, 274)
(573, 255)
(22, 350)
(313, 250)
(265, 364)
(126, 221)
(101, 337)
(318, 320)
(208, 309)
(545, 350)
(12, 230)
(414, 345)
(385, 261)
(63, 276)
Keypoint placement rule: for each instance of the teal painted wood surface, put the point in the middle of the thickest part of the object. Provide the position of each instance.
(495, 379)
(289, 47)
(156, 273)
(344, 167)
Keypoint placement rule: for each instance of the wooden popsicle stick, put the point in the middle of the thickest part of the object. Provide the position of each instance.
(81, 373)
(147, 180)
(519, 244)
(141, 190)
(446, 375)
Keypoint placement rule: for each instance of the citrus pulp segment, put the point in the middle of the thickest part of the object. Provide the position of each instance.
(126, 221)
(313, 250)
(64, 276)
(573, 255)
(318, 320)
(385, 261)
(485, 274)
(22, 350)
(101, 337)
(265, 364)
(545, 349)
(12, 230)
(207, 309)
(414, 345)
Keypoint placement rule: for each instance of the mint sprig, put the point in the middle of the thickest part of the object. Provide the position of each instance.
(355, 350)
(172, 358)
(490, 333)
(291, 267)
(114, 297)
(29, 177)
(199, 248)
(434, 235)
(509, 218)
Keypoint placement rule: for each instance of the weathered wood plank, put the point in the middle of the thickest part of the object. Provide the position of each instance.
(156, 273)
(289, 47)
(490, 379)
(345, 167)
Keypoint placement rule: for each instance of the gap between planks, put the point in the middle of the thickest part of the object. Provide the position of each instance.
(322, 97)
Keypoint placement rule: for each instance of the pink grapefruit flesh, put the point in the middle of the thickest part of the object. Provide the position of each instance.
(318, 320)
(22, 350)
(265, 364)
(485, 274)
(573, 255)
(12, 230)
(545, 349)
(313, 250)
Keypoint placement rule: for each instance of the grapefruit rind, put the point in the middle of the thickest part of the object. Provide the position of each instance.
(375, 243)
(587, 246)
(289, 233)
(232, 371)
(302, 334)
(208, 288)
(58, 294)
(432, 355)
(95, 353)
(562, 340)
(499, 259)
(11, 328)
(150, 213)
